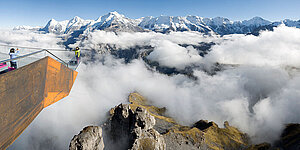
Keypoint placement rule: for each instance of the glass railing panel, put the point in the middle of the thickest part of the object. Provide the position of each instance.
(66, 57)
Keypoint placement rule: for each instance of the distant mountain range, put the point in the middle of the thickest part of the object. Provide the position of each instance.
(114, 21)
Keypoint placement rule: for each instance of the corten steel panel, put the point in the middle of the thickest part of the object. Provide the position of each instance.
(59, 81)
(26, 91)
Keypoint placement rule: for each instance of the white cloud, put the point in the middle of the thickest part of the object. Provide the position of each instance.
(172, 55)
(275, 48)
(29, 39)
(124, 40)
(26, 38)
(260, 82)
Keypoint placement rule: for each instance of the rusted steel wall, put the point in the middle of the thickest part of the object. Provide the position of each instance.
(59, 81)
(26, 91)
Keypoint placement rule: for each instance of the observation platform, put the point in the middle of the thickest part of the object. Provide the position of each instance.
(26, 91)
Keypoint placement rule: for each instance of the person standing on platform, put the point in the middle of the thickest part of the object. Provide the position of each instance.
(77, 54)
(13, 54)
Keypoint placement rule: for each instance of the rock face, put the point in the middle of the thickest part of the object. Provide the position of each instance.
(132, 128)
(140, 126)
(205, 135)
(202, 135)
(90, 138)
(290, 137)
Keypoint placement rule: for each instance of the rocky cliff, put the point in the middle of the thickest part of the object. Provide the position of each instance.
(140, 126)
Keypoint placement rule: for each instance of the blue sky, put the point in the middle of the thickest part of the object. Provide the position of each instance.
(38, 12)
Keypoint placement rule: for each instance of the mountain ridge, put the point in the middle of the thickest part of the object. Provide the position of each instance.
(113, 21)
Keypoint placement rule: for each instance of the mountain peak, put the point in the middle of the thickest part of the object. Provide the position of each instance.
(256, 21)
(257, 18)
(52, 20)
(76, 18)
(110, 16)
(115, 13)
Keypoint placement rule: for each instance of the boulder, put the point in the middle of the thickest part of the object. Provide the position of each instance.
(90, 138)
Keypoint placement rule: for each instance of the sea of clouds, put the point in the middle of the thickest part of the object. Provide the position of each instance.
(259, 95)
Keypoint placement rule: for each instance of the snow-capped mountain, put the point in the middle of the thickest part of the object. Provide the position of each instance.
(288, 22)
(114, 21)
(65, 27)
(53, 26)
(256, 21)
(170, 23)
(75, 24)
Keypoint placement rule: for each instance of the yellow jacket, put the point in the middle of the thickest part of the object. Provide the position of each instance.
(77, 52)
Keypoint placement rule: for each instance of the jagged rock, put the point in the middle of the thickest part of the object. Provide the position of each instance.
(205, 135)
(148, 140)
(90, 138)
(202, 135)
(225, 138)
(135, 127)
(140, 126)
(290, 137)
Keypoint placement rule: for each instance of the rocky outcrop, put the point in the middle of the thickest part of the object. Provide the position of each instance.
(202, 135)
(132, 128)
(140, 126)
(129, 126)
(90, 138)
(290, 138)
(205, 135)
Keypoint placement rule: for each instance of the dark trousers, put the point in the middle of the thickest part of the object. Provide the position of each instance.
(77, 59)
(13, 65)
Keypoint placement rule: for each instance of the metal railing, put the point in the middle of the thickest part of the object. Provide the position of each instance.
(25, 56)
(36, 48)
(33, 53)
(20, 57)
(57, 57)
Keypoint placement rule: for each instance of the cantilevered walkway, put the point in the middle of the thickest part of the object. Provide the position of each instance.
(24, 92)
